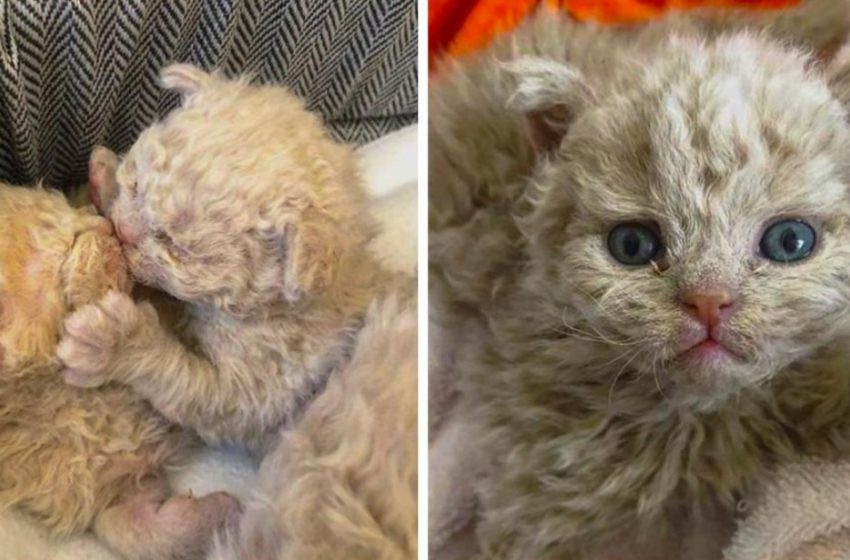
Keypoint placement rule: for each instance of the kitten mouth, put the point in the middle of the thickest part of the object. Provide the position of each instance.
(709, 349)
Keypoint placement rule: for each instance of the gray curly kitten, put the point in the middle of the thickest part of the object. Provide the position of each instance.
(648, 230)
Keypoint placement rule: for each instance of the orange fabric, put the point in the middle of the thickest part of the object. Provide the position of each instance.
(625, 11)
(488, 19)
(459, 27)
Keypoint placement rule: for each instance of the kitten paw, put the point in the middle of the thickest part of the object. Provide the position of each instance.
(92, 339)
(179, 527)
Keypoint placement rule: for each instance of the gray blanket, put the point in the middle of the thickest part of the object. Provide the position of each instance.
(75, 74)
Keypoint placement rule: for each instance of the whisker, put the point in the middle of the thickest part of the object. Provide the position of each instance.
(655, 364)
(598, 336)
(635, 354)
(580, 334)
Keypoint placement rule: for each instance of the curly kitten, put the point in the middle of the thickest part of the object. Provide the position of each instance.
(650, 229)
(241, 207)
(341, 482)
(81, 459)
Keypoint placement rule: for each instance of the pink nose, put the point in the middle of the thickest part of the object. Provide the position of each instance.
(709, 307)
(105, 227)
(125, 234)
(94, 194)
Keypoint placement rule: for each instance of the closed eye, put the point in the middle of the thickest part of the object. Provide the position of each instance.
(168, 242)
(129, 188)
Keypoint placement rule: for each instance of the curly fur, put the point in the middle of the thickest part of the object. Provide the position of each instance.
(262, 233)
(241, 207)
(74, 459)
(343, 478)
(597, 434)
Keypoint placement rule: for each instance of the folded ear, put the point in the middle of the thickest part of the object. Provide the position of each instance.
(312, 252)
(550, 94)
(184, 78)
(837, 65)
(102, 185)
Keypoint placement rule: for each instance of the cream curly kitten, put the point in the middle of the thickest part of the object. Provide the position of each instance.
(650, 227)
(81, 459)
(240, 206)
(341, 482)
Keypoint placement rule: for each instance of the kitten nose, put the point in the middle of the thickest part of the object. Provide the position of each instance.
(125, 234)
(709, 307)
(105, 227)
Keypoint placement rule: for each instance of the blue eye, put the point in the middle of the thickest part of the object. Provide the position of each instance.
(788, 241)
(634, 244)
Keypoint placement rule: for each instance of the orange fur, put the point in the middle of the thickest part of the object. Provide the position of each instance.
(462, 27)
(69, 456)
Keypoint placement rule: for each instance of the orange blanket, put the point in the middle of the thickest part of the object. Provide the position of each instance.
(462, 26)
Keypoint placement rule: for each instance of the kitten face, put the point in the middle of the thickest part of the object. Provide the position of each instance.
(52, 259)
(237, 200)
(701, 154)
(178, 240)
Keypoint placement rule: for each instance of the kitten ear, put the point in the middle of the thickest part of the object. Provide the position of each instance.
(184, 78)
(311, 257)
(550, 94)
(102, 185)
(838, 74)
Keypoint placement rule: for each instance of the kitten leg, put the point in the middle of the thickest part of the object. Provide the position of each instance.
(120, 340)
(94, 336)
(151, 525)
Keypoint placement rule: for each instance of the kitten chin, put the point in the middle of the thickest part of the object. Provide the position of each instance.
(707, 385)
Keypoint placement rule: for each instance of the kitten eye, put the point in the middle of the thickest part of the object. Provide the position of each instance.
(129, 188)
(166, 241)
(634, 244)
(788, 241)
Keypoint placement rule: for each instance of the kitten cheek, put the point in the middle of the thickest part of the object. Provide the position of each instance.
(94, 265)
(139, 267)
(147, 269)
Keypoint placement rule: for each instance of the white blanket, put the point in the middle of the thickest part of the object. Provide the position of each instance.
(389, 169)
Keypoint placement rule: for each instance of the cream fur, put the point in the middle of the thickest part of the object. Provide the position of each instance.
(341, 483)
(74, 459)
(262, 233)
(241, 207)
(597, 437)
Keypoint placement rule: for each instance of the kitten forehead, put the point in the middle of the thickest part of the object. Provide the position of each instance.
(271, 154)
(734, 122)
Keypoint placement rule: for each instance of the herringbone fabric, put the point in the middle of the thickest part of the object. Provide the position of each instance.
(77, 73)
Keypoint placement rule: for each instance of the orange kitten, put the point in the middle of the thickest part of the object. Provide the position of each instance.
(79, 459)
